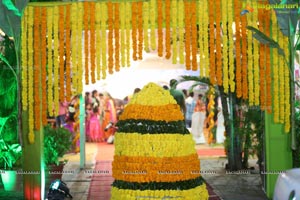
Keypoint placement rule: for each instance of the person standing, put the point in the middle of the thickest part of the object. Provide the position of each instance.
(198, 119)
(190, 104)
(62, 113)
(109, 116)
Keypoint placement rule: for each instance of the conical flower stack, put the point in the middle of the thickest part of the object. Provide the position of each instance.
(155, 156)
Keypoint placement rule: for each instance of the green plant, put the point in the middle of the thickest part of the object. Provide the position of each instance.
(57, 142)
(296, 152)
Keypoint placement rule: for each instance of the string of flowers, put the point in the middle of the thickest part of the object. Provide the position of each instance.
(117, 36)
(210, 117)
(68, 51)
(134, 30)
(74, 27)
(194, 41)
(98, 40)
(225, 45)
(123, 33)
(160, 27)
(174, 17)
(282, 81)
(262, 53)
(146, 18)
(244, 57)
(36, 65)
(168, 28)
(103, 20)
(153, 24)
(268, 66)
(250, 58)
(61, 31)
(128, 29)
(187, 20)
(181, 29)
(44, 64)
(110, 22)
(231, 66)
(92, 41)
(79, 48)
(212, 65)
(86, 13)
(30, 76)
(24, 58)
(255, 59)
(140, 29)
(238, 69)
(218, 43)
(200, 38)
(205, 39)
(55, 60)
(287, 121)
(275, 71)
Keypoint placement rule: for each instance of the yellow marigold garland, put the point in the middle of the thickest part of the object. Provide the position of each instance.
(86, 13)
(24, 61)
(205, 39)
(212, 63)
(210, 118)
(187, 20)
(282, 81)
(160, 28)
(174, 18)
(68, 51)
(128, 29)
(134, 30)
(268, 67)
(168, 29)
(181, 29)
(98, 39)
(153, 24)
(194, 41)
(147, 159)
(218, 43)
(37, 71)
(44, 64)
(275, 68)
(146, 18)
(244, 58)
(238, 69)
(74, 46)
(287, 120)
(201, 38)
(117, 35)
(110, 22)
(79, 48)
(61, 30)
(140, 29)
(30, 76)
(255, 60)
(92, 44)
(231, 47)
(123, 33)
(225, 45)
(55, 60)
(103, 20)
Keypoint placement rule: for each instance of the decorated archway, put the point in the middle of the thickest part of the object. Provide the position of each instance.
(63, 41)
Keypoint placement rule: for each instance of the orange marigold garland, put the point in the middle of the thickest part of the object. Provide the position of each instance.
(238, 69)
(117, 36)
(36, 64)
(255, 60)
(86, 13)
(225, 46)
(268, 67)
(43, 64)
(140, 29)
(146, 18)
(231, 66)
(134, 30)
(153, 24)
(201, 37)
(92, 44)
(68, 53)
(205, 40)
(168, 29)
(61, 30)
(187, 19)
(212, 64)
(160, 27)
(262, 53)
(123, 33)
(128, 28)
(174, 18)
(244, 58)
(194, 40)
(218, 43)
(98, 39)
(103, 20)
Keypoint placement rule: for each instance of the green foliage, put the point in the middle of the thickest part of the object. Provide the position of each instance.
(296, 153)
(57, 142)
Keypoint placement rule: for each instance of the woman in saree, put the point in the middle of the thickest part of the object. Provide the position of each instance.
(109, 116)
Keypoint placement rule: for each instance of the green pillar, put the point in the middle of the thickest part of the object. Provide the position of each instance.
(82, 131)
(278, 152)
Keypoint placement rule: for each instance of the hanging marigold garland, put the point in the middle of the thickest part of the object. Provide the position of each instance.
(218, 43)
(44, 63)
(212, 61)
(187, 20)
(55, 60)
(244, 57)
(194, 41)
(210, 118)
(92, 44)
(74, 27)
(68, 51)
(86, 13)
(268, 66)
(103, 20)
(37, 71)
(123, 33)
(231, 64)
(181, 29)
(134, 30)
(225, 45)
(168, 29)
(200, 38)
(128, 29)
(79, 48)
(117, 36)
(98, 39)
(287, 112)
(140, 29)
(262, 54)
(174, 17)
(24, 61)
(153, 24)
(61, 23)
(255, 59)
(146, 18)
(160, 27)
(238, 69)
(30, 76)
(50, 62)
(205, 39)
(110, 22)
(282, 81)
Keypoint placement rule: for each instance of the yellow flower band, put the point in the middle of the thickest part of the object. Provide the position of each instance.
(156, 160)
(196, 193)
(153, 145)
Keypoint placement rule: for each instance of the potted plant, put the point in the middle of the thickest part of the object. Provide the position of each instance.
(57, 142)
